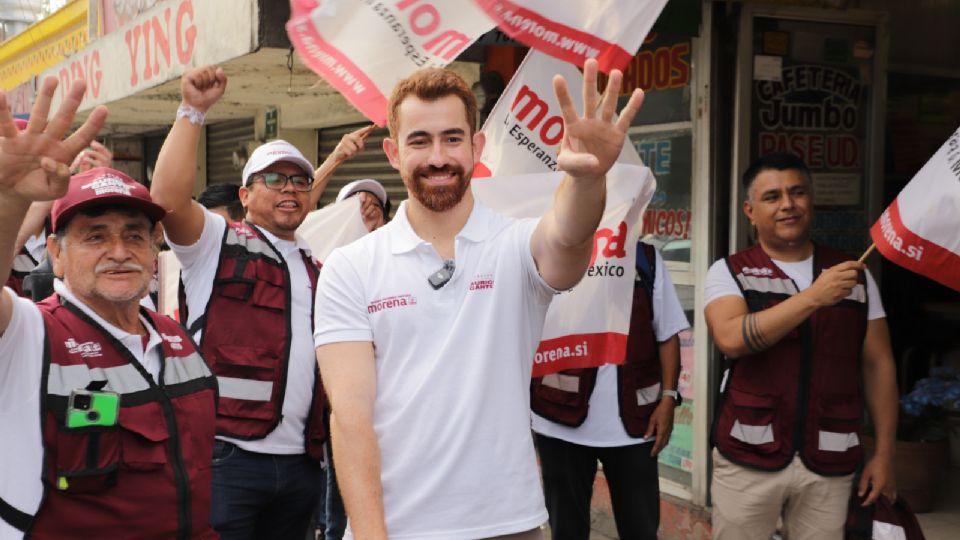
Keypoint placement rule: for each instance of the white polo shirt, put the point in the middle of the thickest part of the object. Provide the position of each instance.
(199, 263)
(603, 426)
(453, 371)
(21, 364)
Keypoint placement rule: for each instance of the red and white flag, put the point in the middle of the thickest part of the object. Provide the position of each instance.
(364, 47)
(588, 326)
(920, 230)
(609, 30)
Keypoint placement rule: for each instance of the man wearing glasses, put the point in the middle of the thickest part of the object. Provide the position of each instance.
(249, 293)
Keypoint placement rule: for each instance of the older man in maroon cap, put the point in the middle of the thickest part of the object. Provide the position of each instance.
(107, 409)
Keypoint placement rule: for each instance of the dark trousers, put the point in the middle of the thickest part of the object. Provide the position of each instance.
(335, 512)
(263, 496)
(568, 472)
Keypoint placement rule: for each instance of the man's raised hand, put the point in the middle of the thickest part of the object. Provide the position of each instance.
(202, 87)
(592, 142)
(34, 162)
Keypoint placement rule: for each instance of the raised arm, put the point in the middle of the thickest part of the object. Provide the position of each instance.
(737, 332)
(176, 169)
(349, 147)
(34, 165)
(563, 240)
(880, 389)
(350, 380)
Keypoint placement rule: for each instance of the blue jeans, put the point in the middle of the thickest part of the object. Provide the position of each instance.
(262, 496)
(335, 516)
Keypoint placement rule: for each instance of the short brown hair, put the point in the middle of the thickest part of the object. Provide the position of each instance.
(431, 84)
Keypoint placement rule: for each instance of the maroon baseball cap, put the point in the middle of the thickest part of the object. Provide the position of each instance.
(103, 186)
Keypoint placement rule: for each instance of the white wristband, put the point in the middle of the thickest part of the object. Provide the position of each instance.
(194, 115)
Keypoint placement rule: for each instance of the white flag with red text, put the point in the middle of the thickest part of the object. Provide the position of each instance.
(920, 230)
(364, 47)
(588, 326)
(609, 30)
(525, 126)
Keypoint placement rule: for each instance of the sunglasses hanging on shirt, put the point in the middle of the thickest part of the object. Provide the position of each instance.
(442, 276)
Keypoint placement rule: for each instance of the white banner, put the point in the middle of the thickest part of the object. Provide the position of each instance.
(609, 30)
(364, 47)
(588, 326)
(332, 226)
(525, 127)
(919, 230)
(159, 45)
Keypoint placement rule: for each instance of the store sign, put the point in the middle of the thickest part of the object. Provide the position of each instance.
(159, 45)
(663, 69)
(815, 112)
(669, 217)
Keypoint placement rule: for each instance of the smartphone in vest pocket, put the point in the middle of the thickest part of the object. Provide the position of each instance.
(87, 408)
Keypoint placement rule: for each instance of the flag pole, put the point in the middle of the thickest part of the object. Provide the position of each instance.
(867, 253)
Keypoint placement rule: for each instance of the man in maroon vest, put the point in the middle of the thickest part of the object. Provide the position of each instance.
(803, 330)
(124, 401)
(249, 290)
(618, 415)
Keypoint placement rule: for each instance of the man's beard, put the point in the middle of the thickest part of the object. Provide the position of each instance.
(439, 198)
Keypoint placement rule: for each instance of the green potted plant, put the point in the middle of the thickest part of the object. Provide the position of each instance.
(923, 436)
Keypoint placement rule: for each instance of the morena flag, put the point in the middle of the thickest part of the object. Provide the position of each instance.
(920, 230)
(609, 30)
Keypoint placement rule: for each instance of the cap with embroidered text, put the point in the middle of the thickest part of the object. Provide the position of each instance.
(103, 186)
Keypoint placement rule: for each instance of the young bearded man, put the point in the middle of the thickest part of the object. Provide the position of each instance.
(428, 376)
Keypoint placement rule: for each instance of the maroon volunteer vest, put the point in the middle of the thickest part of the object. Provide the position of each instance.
(23, 263)
(564, 397)
(147, 477)
(246, 338)
(801, 395)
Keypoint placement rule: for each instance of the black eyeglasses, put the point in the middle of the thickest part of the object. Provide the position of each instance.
(277, 181)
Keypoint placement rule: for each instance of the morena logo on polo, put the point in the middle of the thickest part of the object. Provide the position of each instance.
(391, 302)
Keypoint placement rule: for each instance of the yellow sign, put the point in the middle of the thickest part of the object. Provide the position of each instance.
(43, 44)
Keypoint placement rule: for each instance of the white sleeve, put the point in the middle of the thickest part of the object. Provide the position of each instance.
(719, 283)
(544, 291)
(340, 312)
(874, 303)
(668, 315)
(21, 359)
(199, 263)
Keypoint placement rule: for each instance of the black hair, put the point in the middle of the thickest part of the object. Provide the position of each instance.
(226, 195)
(779, 161)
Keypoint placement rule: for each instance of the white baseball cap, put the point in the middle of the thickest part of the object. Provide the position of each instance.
(367, 184)
(268, 154)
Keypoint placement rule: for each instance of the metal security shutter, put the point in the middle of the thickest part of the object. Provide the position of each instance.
(223, 139)
(371, 163)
